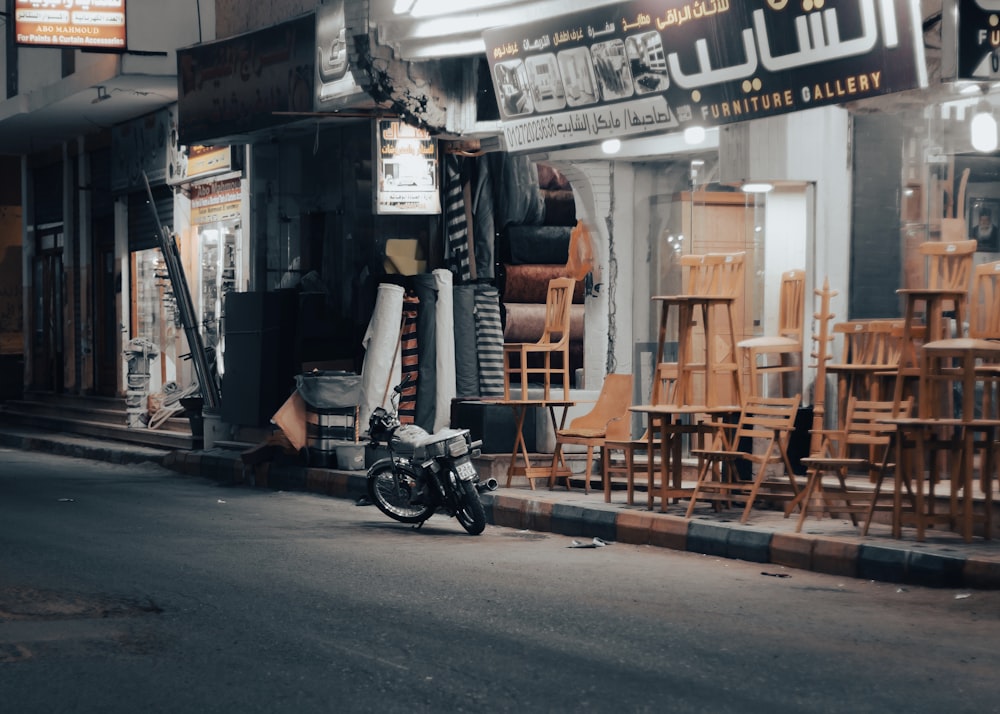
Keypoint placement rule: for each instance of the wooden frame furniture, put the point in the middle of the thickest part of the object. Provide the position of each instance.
(768, 420)
(591, 430)
(862, 447)
(553, 342)
(788, 342)
(984, 302)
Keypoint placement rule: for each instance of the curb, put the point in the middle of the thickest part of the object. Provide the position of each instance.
(880, 562)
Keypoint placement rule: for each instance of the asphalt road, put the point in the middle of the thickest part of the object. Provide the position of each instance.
(128, 589)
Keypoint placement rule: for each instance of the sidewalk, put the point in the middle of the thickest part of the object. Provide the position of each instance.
(829, 545)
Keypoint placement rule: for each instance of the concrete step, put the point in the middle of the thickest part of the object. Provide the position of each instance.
(98, 417)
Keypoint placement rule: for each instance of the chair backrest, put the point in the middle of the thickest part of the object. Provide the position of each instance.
(864, 425)
(949, 263)
(870, 342)
(767, 417)
(984, 312)
(558, 302)
(714, 273)
(612, 403)
(792, 304)
(664, 383)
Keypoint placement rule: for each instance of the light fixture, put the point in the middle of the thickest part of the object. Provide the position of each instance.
(984, 128)
(102, 94)
(611, 146)
(757, 187)
(694, 135)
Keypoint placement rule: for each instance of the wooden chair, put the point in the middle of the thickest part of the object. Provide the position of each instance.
(860, 448)
(591, 430)
(554, 342)
(984, 302)
(619, 437)
(768, 421)
(787, 343)
(868, 362)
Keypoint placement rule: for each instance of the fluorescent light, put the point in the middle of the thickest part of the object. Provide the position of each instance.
(984, 128)
(611, 146)
(694, 135)
(757, 187)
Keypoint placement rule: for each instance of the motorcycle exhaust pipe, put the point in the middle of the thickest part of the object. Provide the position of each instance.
(489, 484)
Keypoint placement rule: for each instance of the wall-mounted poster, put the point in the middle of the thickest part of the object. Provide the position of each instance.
(406, 170)
(86, 24)
(984, 219)
(662, 65)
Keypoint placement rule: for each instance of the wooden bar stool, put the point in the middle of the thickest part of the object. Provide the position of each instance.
(949, 267)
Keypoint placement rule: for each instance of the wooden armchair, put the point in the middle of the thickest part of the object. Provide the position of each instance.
(787, 343)
(591, 430)
(768, 421)
(860, 448)
(552, 347)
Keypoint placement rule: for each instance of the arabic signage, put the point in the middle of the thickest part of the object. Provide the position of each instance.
(973, 32)
(242, 84)
(216, 201)
(87, 24)
(407, 170)
(644, 66)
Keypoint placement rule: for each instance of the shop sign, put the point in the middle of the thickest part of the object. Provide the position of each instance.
(199, 162)
(406, 169)
(229, 88)
(970, 36)
(663, 65)
(335, 85)
(216, 201)
(85, 24)
(140, 146)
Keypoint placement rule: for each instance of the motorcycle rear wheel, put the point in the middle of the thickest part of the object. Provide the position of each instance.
(390, 490)
(472, 515)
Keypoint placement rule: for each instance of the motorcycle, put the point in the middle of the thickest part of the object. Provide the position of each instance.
(425, 473)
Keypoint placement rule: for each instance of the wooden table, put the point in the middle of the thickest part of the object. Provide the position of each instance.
(956, 439)
(665, 420)
(520, 463)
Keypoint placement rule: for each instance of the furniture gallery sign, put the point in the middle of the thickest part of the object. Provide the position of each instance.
(86, 24)
(970, 39)
(645, 66)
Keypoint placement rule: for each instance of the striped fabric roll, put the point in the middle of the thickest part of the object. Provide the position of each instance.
(456, 224)
(489, 341)
(410, 353)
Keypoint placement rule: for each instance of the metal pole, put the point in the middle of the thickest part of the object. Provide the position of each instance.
(168, 246)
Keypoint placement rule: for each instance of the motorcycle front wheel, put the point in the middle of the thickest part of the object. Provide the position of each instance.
(472, 515)
(390, 490)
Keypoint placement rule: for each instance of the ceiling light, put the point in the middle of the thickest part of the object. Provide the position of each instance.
(694, 135)
(611, 146)
(984, 128)
(757, 187)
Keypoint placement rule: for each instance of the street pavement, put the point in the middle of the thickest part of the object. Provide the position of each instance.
(828, 545)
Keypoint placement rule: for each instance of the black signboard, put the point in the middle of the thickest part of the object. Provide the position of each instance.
(644, 66)
(978, 39)
(232, 87)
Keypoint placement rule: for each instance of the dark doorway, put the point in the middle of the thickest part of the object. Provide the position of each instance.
(48, 358)
(106, 289)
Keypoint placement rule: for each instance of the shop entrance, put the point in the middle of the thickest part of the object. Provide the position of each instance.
(47, 348)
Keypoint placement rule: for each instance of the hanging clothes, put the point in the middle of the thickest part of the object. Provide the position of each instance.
(489, 341)
(456, 224)
(410, 354)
